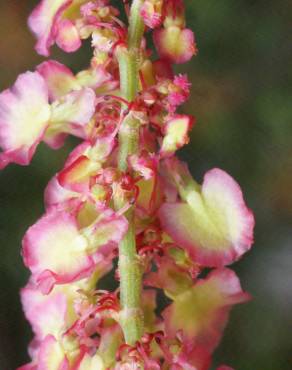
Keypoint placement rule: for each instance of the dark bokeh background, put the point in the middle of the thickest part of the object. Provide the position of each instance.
(241, 97)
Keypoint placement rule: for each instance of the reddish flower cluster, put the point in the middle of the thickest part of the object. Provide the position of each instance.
(180, 227)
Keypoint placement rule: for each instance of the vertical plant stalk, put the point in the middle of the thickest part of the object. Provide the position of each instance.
(129, 267)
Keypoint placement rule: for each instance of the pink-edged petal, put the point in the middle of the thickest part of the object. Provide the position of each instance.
(175, 44)
(106, 232)
(84, 162)
(60, 79)
(98, 151)
(24, 116)
(76, 108)
(80, 150)
(102, 148)
(76, 176)
(51, 355)
(150, 195)
(55, 251)
(68, 38)
(54, 139)
(70, 115)
(201, 312)
(56, 195)
(214, 224)
(54, 313)
(46, 313)
(176, 134)
(169, 277)
(42, 22)
(58, 252)
(97, 78)
(90, 363)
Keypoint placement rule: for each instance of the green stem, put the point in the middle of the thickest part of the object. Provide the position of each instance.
(131, 315)
(129, 131)
(136, 25)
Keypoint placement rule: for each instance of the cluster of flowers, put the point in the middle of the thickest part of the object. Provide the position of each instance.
(181, 227)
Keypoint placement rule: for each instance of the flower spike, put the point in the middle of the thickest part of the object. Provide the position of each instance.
(122, 203)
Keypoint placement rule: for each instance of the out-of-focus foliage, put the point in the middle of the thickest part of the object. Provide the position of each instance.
(241, 97)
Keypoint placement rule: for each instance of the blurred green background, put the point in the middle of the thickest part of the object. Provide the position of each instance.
(241, 96)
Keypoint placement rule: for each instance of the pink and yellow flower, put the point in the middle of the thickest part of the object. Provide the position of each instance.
(212, 221)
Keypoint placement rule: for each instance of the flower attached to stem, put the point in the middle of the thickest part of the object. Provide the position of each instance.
(122, 202)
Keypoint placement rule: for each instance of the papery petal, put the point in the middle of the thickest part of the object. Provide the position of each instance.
(107, 231)
(55, 251)
(175, 44)
(82, 149)
(202, 312)
(176, 134)
(169, 277)
(85, 161)
(56, 195)
(46, 313)
(97, 78)
(214, 225)
(101, 148)
(71, 114)
(24, 116)
(60, 79)
(42, 22)
(54, 139)
(76, 176)
(51, 355)
(76, 107)
(150, 195)
(90, 363)
(54, 313)
(68, 38)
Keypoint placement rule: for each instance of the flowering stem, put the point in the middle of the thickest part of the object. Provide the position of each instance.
(136, 25)
(129, 268)
(128, 133)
